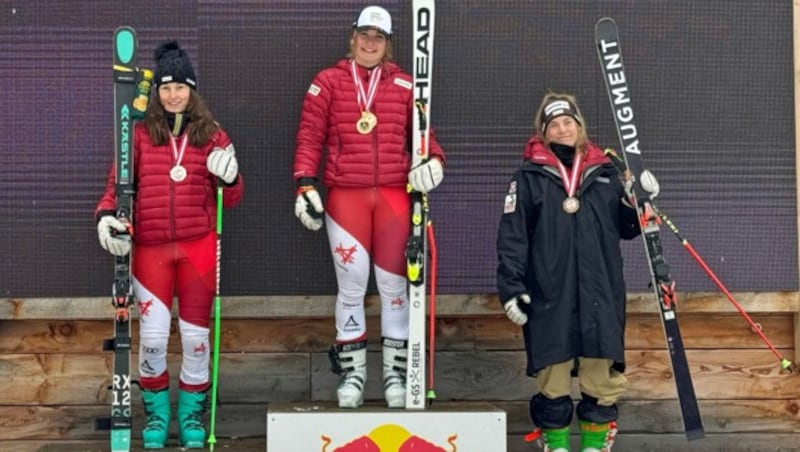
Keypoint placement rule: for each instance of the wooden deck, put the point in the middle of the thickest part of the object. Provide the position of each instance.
(54, 378)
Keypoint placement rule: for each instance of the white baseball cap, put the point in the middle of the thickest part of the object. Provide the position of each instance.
(374, 17)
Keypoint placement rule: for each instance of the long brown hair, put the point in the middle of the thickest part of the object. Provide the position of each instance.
(538, 120)
(201, 122)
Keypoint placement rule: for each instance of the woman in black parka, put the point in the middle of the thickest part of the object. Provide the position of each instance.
(560, 273)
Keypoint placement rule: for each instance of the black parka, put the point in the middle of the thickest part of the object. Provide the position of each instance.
(569, 264)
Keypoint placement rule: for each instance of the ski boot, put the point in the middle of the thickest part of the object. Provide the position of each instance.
(553, 439)
(157, 414)
(395, 359)
(191, 407)
(350, 361)
(597, 437)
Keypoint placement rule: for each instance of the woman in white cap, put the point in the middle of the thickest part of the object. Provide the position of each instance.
(359, 111)
(560, 274)
(180, 153)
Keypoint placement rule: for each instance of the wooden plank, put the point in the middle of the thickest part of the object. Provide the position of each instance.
(77, 379)
(448, 305)
(261, 377)
(712, 331)
(247, 420)
(796, 322)
(663, 416)
(626, 442)
(499, 376)
(717, 374)
(706, 331)
(97, 445)
(77, 421)
(637, 442)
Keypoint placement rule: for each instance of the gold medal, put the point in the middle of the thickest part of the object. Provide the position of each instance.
(571, 205)
(366, 123)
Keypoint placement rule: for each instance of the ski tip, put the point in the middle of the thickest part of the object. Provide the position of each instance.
(124, 45)
(606, 19)
(605, 25)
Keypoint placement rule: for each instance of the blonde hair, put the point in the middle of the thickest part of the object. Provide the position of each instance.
(539, 119)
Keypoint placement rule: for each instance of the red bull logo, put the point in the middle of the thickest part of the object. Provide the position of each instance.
(389, 438)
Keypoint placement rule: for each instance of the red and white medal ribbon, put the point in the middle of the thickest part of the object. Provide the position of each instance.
(178, 172)
(571, 182)
(368, 120)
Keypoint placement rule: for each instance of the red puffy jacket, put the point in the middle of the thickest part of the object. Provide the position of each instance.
(164, 210)
(329, 116)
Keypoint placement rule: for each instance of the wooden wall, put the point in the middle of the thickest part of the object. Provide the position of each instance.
(54, 378)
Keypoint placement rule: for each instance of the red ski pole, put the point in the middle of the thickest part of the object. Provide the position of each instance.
(432, 306)
(786, 364)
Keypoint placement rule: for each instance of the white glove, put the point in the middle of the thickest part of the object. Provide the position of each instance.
(116, 245)
(308, 207)
(222, 163)
(426, 176)
(513, 311)
(649, 184)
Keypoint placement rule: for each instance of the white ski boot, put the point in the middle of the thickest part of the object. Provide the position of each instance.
(395, 359)
(350, 361)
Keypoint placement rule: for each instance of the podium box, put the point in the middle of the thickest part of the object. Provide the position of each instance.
(445, 427)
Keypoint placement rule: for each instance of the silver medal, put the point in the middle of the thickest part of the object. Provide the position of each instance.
(177, 173)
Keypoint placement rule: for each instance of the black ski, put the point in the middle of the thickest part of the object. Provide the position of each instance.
(610, 54)
(131, 91)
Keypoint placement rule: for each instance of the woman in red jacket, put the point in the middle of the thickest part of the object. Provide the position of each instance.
(180, 153)
(359, 111)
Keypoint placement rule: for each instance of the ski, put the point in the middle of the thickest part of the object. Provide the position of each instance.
(417, 248)
(609, 53)
(131, 92)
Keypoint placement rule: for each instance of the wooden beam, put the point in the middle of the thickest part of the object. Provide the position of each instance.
(321, 306)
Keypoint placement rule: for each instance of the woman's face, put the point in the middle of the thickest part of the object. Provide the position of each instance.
(174, 96)
(562, 130)
(369, 47)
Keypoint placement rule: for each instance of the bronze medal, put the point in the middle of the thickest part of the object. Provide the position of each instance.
(571, 205)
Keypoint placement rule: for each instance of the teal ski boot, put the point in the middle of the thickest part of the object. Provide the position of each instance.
(157, 413)
(191, 407)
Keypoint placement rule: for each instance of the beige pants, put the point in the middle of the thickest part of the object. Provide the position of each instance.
(595, 375)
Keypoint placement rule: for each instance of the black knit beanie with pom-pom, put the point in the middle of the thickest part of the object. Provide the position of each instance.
(173, 65)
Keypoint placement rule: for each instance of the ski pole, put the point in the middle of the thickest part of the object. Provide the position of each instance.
(431, 395)
(212, 439)
(785, 363)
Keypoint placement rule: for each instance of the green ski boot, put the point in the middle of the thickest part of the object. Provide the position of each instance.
(556, 439)
(157, 413)
(597, 437)
(191, 407)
